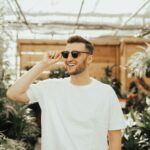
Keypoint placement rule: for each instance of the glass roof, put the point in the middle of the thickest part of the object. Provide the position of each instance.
(56, 19)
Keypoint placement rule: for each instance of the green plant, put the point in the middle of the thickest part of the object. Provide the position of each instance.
(136, 103)
(10, 144)
(18, 129)
(18, 122)
(139, 63)
(115, 83)
(58, 73)
(137, 134)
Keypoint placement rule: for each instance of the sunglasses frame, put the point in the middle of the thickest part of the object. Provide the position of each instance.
(74, 53)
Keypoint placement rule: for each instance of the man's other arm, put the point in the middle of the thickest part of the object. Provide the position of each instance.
(114, 138)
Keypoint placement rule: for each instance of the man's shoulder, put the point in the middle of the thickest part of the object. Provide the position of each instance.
(100, 84)
(51, 84)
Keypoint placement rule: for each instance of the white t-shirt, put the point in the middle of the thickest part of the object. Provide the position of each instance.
(76, 117)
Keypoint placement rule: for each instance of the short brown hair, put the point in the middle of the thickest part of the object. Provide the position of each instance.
(78, 39)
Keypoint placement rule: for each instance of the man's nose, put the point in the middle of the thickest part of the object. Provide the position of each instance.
(69, 57)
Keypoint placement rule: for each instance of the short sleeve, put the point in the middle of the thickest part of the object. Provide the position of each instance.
(116, 117)
(34, 92)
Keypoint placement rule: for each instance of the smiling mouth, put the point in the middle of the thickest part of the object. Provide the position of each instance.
(70, 65)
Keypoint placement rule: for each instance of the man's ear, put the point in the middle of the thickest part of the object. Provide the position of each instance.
(90, 59)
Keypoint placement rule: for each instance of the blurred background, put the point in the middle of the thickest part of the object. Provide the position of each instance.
(120, 32)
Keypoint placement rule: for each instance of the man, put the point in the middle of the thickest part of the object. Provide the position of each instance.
(79, 112)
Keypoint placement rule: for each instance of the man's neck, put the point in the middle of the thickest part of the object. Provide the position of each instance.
(80, 79)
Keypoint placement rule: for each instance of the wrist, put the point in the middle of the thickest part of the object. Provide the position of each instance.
(43, 65)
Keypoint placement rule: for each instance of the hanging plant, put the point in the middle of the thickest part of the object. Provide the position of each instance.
(139, 63)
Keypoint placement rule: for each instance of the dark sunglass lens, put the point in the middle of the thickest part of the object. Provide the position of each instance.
(75, 54)
(65, 54)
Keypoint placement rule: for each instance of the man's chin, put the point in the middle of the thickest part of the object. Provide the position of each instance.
(72, 72)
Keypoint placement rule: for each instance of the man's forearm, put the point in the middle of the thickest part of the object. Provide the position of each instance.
(114, 147)
(22, 84)
(114, 140)
(18, 90)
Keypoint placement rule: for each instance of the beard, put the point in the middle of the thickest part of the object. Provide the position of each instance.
(78, 70)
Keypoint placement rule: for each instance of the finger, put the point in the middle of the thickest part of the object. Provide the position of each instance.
(50, 54)
(57, 53)
(59, 56)
(53, 54)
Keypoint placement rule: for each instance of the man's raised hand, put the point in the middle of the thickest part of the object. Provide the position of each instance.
(51, 57)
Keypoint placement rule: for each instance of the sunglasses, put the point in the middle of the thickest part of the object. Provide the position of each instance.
(74, 53)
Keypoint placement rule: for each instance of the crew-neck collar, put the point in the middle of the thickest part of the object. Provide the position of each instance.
(80, 86)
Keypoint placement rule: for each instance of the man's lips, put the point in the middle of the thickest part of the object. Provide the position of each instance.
(70, 65)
